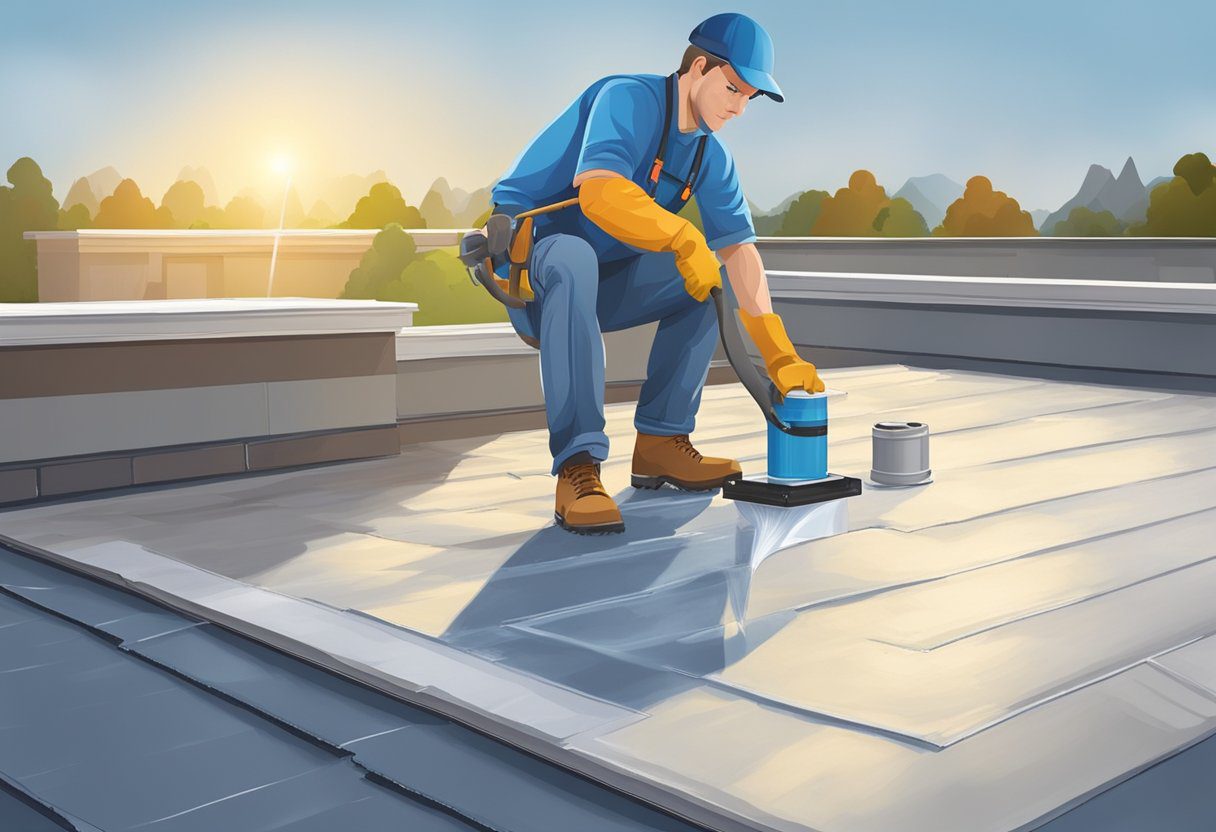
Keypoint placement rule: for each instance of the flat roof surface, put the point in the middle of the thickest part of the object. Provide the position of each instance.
(981, 653)
(120, 714)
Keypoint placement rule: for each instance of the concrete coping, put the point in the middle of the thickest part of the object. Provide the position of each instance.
(204, 233)
(230, 233)
(25, 324)
(998, 242)
(458, 341)
(209, 241)
(1108, 295)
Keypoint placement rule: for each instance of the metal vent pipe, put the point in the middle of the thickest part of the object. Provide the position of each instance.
(901, 453)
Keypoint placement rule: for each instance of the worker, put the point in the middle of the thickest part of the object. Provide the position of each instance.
(633, 149)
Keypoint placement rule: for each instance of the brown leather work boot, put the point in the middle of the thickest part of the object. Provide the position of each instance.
(673, 459)
(583, 506)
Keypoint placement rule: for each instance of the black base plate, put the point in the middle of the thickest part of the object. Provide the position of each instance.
(787, 495)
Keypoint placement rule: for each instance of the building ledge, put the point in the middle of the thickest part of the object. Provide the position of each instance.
(209, 240)
(1039, 293)
(23, 324)
(998, 242)
(459, 340)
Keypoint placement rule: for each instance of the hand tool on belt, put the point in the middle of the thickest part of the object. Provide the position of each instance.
(507, 239)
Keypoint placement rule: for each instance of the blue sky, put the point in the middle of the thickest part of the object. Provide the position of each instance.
(1029, 94)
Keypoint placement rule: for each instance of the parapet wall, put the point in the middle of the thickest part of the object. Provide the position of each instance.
(1144, 259)
(1121, 332)
(139, 264)
(106, 395)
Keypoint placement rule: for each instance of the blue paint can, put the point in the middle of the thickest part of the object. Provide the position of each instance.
(794, 458)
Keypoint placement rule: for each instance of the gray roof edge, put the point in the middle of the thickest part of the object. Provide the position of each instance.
(682, 804)
(55, 814)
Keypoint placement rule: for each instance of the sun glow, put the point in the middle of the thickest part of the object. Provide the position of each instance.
(282, 164)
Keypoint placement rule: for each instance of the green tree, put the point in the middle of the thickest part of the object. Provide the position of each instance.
(392, 250)
(128, 208)
(983, 212)
(800, 217)
(184, 200)
(1082, 222)
(851, 212)
(767, 225)
(1197, 170)
(26, 204)
(384, 205)
(900, 219)
(1186, 205)
(75, 218)
(393, 270)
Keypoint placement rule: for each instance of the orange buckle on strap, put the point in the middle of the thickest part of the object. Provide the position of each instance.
(655, 170)
(687, 193)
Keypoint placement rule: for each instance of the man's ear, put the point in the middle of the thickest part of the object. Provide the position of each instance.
(698, 63)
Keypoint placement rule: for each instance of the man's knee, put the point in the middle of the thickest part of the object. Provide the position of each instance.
(566, 259)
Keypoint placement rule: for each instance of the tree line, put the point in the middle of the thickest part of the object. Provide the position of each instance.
(28, 204)
(1182, 206)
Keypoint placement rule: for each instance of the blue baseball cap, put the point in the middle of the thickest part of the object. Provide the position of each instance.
(743, 43)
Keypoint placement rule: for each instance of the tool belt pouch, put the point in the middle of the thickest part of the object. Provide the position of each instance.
(520, 252)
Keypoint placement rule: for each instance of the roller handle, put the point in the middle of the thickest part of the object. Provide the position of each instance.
(760, 388)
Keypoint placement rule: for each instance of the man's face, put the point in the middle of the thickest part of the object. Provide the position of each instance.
(719, 95)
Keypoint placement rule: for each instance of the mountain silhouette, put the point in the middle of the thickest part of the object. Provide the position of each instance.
(455, 199)
(1125, 196)
(323, 215)
(103, 182)
(81, 194)
(768, 223)
(434, 206)
(465, 206)
(781, 207)
(930, 195)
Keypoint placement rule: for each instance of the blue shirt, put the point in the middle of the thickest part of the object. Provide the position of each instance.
(614, 125)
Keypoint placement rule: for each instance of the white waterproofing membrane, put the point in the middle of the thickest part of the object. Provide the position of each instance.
(980, 653)
(775, 527)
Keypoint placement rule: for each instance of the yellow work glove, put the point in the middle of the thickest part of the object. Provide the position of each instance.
(623, 209)
(785, 369)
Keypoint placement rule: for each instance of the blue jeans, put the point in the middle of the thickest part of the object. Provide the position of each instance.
(577, 298)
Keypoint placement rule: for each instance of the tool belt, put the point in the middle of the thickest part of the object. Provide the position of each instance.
(482, 257)
(519, 251)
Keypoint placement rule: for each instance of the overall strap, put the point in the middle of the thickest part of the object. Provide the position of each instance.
(691, 181)
(657, 167)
